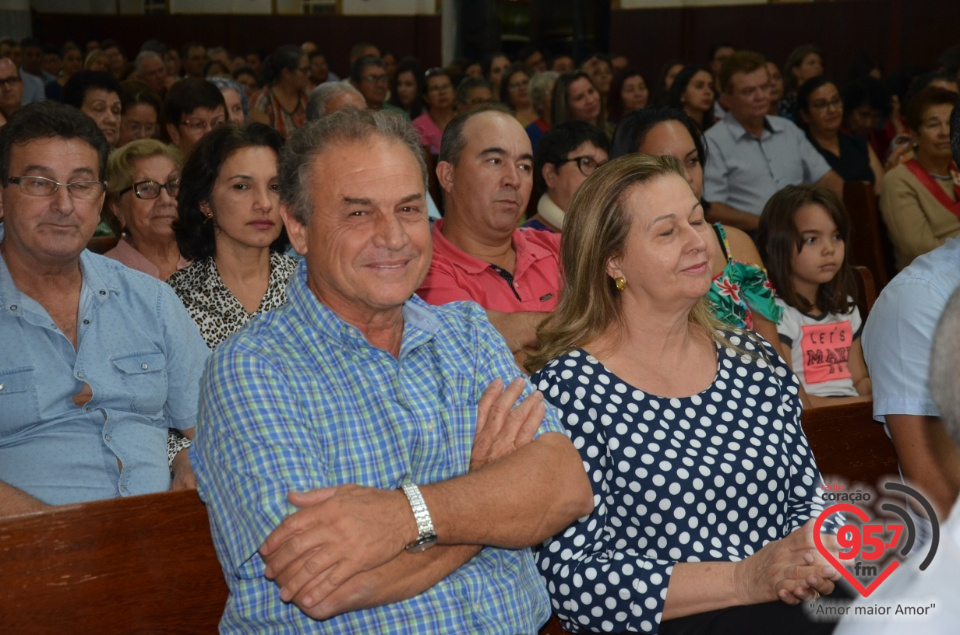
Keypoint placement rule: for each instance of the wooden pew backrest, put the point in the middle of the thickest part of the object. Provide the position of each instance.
(847, 442)
(143, 564)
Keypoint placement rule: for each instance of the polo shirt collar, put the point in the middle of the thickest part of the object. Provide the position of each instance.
(530, 251)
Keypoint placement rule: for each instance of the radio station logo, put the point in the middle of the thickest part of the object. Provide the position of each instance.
(863, 545)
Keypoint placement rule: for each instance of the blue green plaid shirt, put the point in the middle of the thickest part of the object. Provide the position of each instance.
(299, 399)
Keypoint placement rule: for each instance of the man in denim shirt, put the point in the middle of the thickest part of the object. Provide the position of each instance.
(98, 361)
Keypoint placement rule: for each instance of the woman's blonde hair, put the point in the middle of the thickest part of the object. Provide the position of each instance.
(122, 169)
(595, 230)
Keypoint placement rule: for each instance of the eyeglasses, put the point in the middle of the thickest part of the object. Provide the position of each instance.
(522, 83)
(836, 102)
(201, 125)
(42, 186)
(375, 79)
(10, 81)
(147, 190)
(586, 165)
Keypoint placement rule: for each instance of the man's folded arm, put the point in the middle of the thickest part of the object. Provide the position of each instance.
(406, 576)
(516, 501)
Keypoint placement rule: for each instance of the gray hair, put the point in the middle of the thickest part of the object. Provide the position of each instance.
(142, 56)
(945, 367)
(226, 83)
(541, 85)
(349, 125)
(319, 96)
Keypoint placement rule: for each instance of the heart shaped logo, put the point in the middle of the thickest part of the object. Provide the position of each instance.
(855, 544)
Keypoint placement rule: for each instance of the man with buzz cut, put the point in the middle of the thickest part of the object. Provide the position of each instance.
(479, 254)
(365, 464)
(751, 154)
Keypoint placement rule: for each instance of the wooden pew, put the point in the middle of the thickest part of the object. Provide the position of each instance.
(868, 240)
(147, 564)
(142, 564)
(866, 291)
(847, 442)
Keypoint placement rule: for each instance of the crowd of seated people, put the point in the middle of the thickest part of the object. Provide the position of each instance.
(370, 360)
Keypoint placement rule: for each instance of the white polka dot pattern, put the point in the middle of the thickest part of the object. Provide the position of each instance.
(714, 476)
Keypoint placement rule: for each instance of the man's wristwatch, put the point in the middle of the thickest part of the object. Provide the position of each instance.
(427, 537)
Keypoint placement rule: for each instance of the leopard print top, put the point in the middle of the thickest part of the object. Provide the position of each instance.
(214, 308)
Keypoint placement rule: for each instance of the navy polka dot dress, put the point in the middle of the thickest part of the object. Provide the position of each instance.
(713, 476)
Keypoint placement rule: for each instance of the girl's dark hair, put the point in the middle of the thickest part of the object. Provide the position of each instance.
(509, 72)
(615, 100)
(635, 125)
(778, 239)
(195, 235)
(409, 65)
(284, 58)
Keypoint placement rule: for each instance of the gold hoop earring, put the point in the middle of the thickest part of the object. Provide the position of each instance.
(621, 283)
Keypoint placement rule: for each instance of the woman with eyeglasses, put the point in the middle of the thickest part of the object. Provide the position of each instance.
(144, 178)
(282, 104)
(229, 224)
(820, 106)
(438, 97)
(516, 93)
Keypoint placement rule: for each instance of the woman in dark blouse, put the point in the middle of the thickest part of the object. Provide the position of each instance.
(821, 114)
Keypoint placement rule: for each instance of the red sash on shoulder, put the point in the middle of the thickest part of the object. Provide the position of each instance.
(934, 188)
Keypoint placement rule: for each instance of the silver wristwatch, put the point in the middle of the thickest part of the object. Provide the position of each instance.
(427, 537)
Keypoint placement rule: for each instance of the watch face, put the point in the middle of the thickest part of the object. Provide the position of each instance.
(423, 544)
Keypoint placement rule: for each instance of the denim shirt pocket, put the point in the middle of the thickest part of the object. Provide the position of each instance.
(19, 406)
(144, 376)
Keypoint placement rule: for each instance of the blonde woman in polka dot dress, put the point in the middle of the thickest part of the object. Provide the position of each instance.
(704, 485)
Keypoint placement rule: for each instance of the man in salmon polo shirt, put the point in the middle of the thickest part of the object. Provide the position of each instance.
(479, 254)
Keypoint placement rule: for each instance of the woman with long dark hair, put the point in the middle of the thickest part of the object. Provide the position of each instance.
(229, 224)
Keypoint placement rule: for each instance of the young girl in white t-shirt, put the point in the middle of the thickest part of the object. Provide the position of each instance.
(802, 239)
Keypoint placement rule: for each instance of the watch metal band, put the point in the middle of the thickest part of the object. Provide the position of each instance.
(427, 535)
